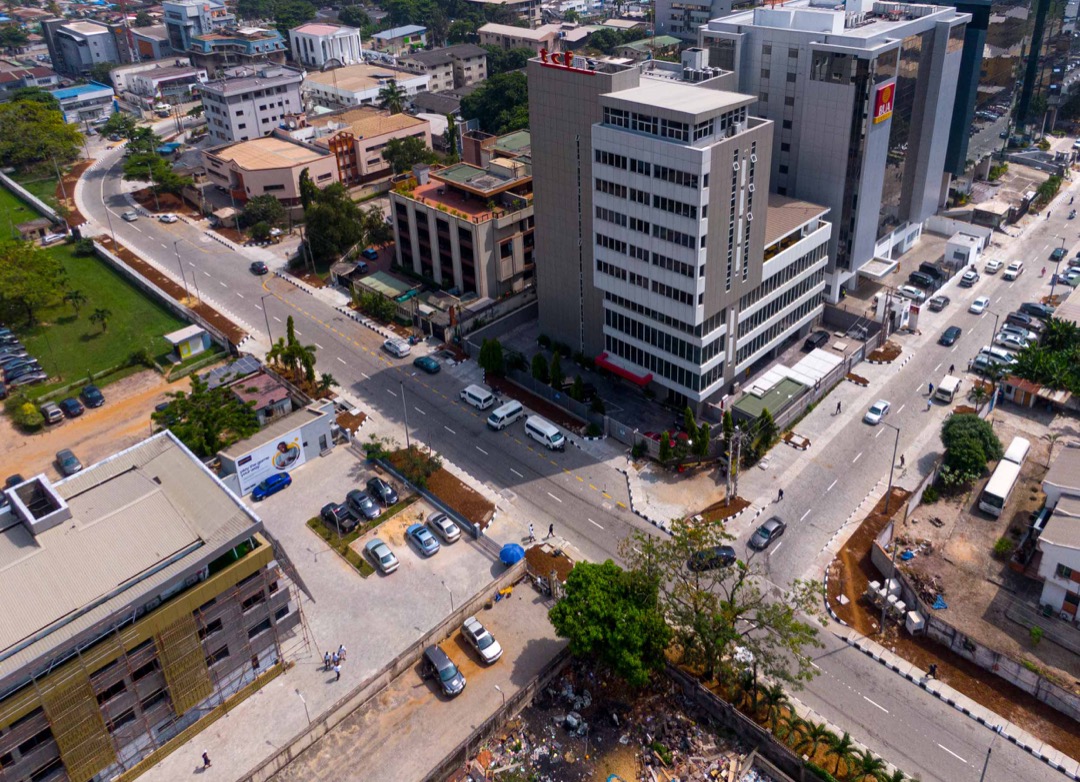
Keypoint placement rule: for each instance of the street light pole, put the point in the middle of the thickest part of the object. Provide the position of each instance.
(986, 764)
(896, 443)
(895, 544)
(179, 263)
(503, 694)
(405, 409)
(262, 303)
(451, 591)
(195, 277)
(108, 217)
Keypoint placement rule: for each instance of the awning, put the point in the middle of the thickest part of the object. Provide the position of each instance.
(607, 361)
(878, 268)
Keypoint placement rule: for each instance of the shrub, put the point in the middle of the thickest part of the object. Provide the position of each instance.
(28, 417)
(544, 341)
(597, 406)
(1003, 548)
(665, 446)
(1036, 634)
(260, 232)
(592, 430)
(539, 368)
(930, 496)
(84, 247)
(638, 450)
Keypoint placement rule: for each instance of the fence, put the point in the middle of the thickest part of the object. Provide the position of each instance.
(30, 198)
(560, 398)
(361, 695)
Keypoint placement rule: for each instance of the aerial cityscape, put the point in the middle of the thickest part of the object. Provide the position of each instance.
(540, 390)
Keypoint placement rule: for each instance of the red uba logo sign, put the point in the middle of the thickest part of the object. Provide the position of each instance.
(883, 102)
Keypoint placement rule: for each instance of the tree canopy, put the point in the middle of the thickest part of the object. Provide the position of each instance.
(501, 60)
(30, 278)
(37, 95)
(1055, 361)
(970, 442)
(263, 209)
(501, 104)
(207, 420)
(12, 36)
(392, 97)
(153, 168)
(32, 132)
(120, 123)
(404, 153)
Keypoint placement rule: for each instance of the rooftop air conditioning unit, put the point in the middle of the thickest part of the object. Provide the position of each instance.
(753, 158)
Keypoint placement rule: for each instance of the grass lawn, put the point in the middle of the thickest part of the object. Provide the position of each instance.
(40, 183)
(68, 346)
(13, 210)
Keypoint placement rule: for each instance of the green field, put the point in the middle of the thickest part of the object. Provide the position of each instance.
(12, 212)
(40, 183)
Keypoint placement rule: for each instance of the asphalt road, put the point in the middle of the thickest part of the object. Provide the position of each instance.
(586, 499)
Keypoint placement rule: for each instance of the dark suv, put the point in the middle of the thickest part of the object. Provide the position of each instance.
(816, 340)
(922, 280)
(711, 558)
(438, 665)
(338, 516)
(382, 491)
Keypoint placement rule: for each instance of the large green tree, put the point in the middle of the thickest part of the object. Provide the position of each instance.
(354, 16)
(501, 60)
(151, 167)
(30, 278)
(31, 132)
(13, 36)
(611, 615)
(500, 104)
(404, 153)
(121, 123)
(288, 353)
(263, 209)
(207, 420)
(334, 223)
(36, 95)
(970, 442)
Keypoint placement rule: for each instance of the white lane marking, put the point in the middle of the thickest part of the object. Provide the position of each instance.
(938, 366)
(876, 704)
(205, 274)
(417, 409)
(952, 753)
(277, 318)
(918, 386)
(815, 665)
(223, 285)
(365, 374)
(805, 514)
(165, 245)
(339, 358)
(901, 408)
(447, 428)
(240, 295)
(832, 484)
(481, 450)
(553, 497)
(298, 332)
(593, 522)
(133, 228)
(391, 393)
(778, 545)
(880, 432)
(997, 300)
(857, 458)
(954, 349)
(516, 473)
(317, 346)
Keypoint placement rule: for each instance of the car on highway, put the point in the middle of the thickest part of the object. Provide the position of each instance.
(92, 396)
(711, 558)
(979, 305)
(1058, 254)
(168, 217)
(447, 529)
(382, 491)
(938, 303)
(768, 532)
(370, 253)
(993, 266)
(1013, 270)
(424, 540)
(398, 348)
(362, 504)
(338, 516)
(381, 555)
(1037, 310)
(438, 665)
(271, 485)
(72, 407)
(258, 267)
(1010, 341)
(130, 216)
(911, 292)
(68, 462)
(950, 335)
(427, 364)
(969, 278)
(877, 411)
(481, 640)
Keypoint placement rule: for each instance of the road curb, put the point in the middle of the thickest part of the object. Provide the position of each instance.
(661, 525)
(293, 281)
(363, 321)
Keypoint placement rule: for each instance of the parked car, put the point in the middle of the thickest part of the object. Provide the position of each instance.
(338, 516)
(877, 411)
(1058, 254)
(424, 540)
(398, 348)
(362, 505)
(168, 217)
(1010, 341)
(993, 266)
(381, 555)
(427, 364)
(271, 485)
(938, 303)
(130, 216)
(92, 396)
(950, 336)
(711, 558)
(481, 640)
(68, 463)
(1020, 331)
(979, 305)
(1024, 320)
(72, 407)
(370, 253)
(969, 278)
(910, 292)
(1013, 270)
(13, 480)
(1036, 310)
(1001, 355)
(382, 491)
(52, 413)
(765, 534)
(816, 340)
(28, 378)
(447, 529)
(437, 665)
(258, 267)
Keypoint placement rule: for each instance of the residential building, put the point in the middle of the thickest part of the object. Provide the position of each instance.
(682, 18)
(656, 47)
(187, 19)
(662, 253)
(357, 85)
(318, 44)
(250, 102)
(144, 84)
(450, 67)
(527, 11)
(862, 98)
(623, 24)
(77, 46)
(148, 599)
(399, 40)
(265, 394)
(85, 103)
(357, 138)
(469, 227)
(268, 166)
(552, 37)
(17, 78)
(1059, 541)
(229, 48)
(152, 43)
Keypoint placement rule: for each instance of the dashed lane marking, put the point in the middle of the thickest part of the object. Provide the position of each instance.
(516, 473)
(481, 450)
(594, 523)
(553, 497)
(953, 753)
(447, 428)
(877, 704)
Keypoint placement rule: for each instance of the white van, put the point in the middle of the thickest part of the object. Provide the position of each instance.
(504, 415)
(545, 433)
(947, 389)
(477, 396)
(1017, 451)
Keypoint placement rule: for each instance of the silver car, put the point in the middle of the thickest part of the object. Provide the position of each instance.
(446, 529)
(481, 640)
(382, 556)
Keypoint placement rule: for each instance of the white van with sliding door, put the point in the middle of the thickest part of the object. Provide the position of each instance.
(477, 396)
(947, 388)
(504, 415)
(545, 433)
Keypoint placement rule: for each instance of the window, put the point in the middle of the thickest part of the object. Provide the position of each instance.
(791, 78)
(785, 147)
(611, 216)
(272, 188)
(323, 177)
(120, 720)
(789, 100)
(640, 167)
(786, 125)
(150, 701)
(782, 169)
(217, 656)
(281, 613)
(261, 627)
(763, 97)
(764, 73)
(145, 670)
(46, 771)
(36, 740)
(792, 52)
(242, 126)
(111, 692)
(1063, 571)
(610, 188)
(639, 225)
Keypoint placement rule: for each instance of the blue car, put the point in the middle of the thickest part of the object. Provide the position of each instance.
(371, 254)
(271, 485)
(423, 539)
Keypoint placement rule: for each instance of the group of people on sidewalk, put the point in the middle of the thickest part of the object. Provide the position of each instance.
(332, 662)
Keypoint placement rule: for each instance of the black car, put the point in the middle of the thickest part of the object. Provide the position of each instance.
(938, 303)
(950, 336)
(1036, 310)
(258, 267)
(711, 558)
(92, 396)
(72, 407)
(382, 491)
(816, 340)
(338, 516)
(361, 504)
(922, 280)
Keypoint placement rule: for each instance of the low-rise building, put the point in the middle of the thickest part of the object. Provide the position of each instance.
(506, 36)
(268, 166)
(656, 47)
(143, 597)
(145, 84)
(265, 394)
(358, 85)
(527, 11)
(85, 102)
(17, 78)
(250, 102)
(317, 44)
(450, 67)
(246, 46)
(1059, 567)
(468, 227)
(399, 40)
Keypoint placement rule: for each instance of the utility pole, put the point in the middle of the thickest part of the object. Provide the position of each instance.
(986, 764)
(405, 409)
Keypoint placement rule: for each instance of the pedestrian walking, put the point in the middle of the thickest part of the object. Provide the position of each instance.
(929, 404)
(837, 409)
(326, 662)
(336, 658)
(337, 672)
(206, 760)
(780, 495)
(901, 460)
(532, 537)
(932, 673)
(551, 530)
(951, 368)
(341, 652)
(931, 391)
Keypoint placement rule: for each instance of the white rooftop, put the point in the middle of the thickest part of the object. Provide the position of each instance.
(679, 96)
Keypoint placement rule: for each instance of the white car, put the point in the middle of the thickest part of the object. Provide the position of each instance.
(993, 267)
(1000, 355)
(448, 530)
(979, 305)
(398, 348)
(130, 216)
(1010, 341)
(481, 640)
(168, 217)
(1014, 270)
(877, 411)
(1024, 334)
(911, 292)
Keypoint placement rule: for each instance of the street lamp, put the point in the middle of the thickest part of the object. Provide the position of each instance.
(895, 544)
(262, 303)
(195, 277)
(179, 263)
(150, 171)
(451, 591)
(896, 443)
(306, 712)
(405, 409)
(503, 694)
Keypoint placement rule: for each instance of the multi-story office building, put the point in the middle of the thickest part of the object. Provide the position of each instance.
(448, 68)
(662, 253)
(862, 98)
(250, 102)
(317, 44)
(249, 46)
(967, 84)
(141, 595)
(683, 18)
(75, 47)
(186, 19)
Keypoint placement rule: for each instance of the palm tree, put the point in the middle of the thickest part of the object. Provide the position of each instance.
(278, 353)
(1052, 438)
(979, 395)
(774, 702)
(843, 749)
(101, 317)
(76, 299)
(326, 380)
(392, 97)
(867, 764)
(896, 776)
(812, 737)
(790, 728)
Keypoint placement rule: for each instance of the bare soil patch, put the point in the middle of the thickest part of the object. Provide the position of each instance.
(351, 421)
(452, 491)
(541, 559)
(887, 353)
(70, 179)
(719, 511)
(857, 379)
(166, 202)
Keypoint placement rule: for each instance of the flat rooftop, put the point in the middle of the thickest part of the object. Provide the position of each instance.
(683, 97)
(356, 78)
(268, 152)
(366, 122)
(138, 520)
(501, 174)
(276, 429)
(398, 32)
(243, 80)
(86, 28)
(321, 28)
(539, 34)
(1063, 528)
(786, 215)
(80, 89)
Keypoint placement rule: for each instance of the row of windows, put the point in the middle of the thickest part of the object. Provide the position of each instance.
(611, 159)
(611, 270)
(637, 224)
(635, 166)
(769, 334)
(781, 302)
(610, 188)
(701, 329)
(611, 216)
(662, 261)
(785, 275)
(676, 207)
(659, 366)
(643, 123)
(675, 294)
(661, 339)
(639, 196)
(676, 237)
(618, 245)
(677, 177)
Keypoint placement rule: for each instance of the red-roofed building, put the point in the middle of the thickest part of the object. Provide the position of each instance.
(18, 78)
(268, 396)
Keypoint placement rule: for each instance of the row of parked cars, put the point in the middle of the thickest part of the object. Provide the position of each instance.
(437, 665)
(428, 539)
(19, 368)
(358, 504)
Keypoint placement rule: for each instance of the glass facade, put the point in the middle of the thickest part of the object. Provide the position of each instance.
(915, 53)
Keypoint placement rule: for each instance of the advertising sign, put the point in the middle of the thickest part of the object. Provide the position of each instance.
(279, 455)
(883, 102)
(566, 60)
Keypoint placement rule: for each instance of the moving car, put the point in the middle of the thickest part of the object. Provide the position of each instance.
(381, 555)
(398, 348)
(481, 640)
(382, 491)
(969, 278)
(370, 253)
(979, 305)
(877, 411)
(168, 217)
(765, 534)
(711, 558)
(67, 461)
(72, 407)
(1035, 310)
(338, 516)
(52, 413)
(439, 666)
(1058, 254)
(92, 396)
(271, 485)
(441, 523)
(910, 292)
(424, 540)
(993, 266)
(130, 216)
(427, 364)
(938, 303)
(1014, 270)
(950, 336)
(362, 504)
(258, 267)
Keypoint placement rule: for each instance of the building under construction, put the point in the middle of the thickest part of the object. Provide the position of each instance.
(140, 595)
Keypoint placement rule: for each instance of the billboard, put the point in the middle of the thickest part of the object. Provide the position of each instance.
(279, 455)
(883, 102)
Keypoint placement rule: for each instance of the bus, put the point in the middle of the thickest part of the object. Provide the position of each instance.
(1001, 484)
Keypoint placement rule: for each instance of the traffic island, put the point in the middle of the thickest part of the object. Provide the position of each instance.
(886, 354)
(858, 380)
